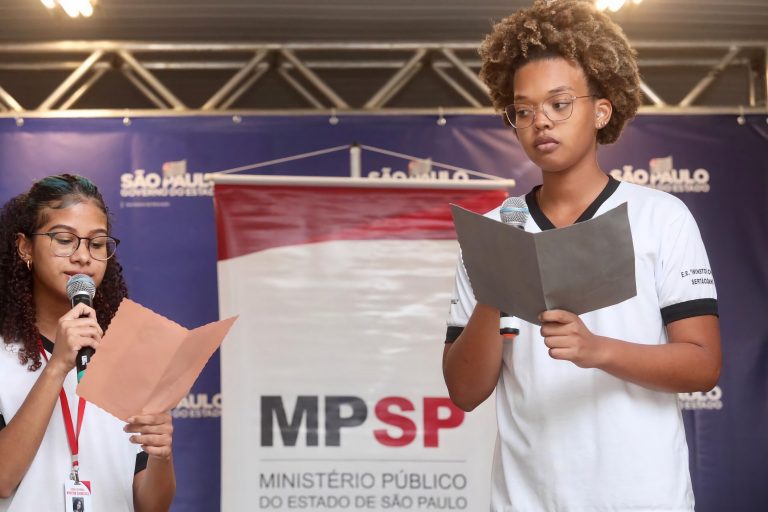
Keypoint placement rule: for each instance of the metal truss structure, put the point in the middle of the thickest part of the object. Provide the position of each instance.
(311, 72)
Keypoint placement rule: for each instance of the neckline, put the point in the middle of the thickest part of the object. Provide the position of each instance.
(47, 344)
(545, 224)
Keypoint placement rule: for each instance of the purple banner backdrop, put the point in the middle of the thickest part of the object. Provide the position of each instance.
(151, 172)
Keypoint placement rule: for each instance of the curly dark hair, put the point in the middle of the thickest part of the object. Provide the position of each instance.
(574, 30)
(24, 214)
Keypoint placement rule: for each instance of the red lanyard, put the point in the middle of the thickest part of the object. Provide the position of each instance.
(72, 437)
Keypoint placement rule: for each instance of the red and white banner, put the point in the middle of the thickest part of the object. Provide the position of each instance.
(331, 379)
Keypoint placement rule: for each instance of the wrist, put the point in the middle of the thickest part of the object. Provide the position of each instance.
(160, 459)
(55, 370)
(603, 352)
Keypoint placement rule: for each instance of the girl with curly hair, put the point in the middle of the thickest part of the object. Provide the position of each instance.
(586, 405)
(57, 229)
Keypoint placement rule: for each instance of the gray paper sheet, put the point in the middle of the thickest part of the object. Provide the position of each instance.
(579, 268)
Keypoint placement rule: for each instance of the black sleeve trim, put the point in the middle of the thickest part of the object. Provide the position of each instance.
(2, 422)
(508, 331)
(452, 334)
(689, 309)
(141, 462)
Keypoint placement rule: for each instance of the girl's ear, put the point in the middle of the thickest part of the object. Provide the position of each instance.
(603, 111)
(24, 247)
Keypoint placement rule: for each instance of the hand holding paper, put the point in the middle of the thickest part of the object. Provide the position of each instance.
(568, 339)
(146, 363)
(579, 268)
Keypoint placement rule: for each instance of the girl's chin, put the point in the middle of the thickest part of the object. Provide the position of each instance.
(547, 165)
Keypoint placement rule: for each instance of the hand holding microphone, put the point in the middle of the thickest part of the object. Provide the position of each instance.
(80, 290)
(514, 212)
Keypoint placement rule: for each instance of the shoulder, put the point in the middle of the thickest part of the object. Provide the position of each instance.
(9, 350)
(10, 362)
(653, 204)
(650, 195)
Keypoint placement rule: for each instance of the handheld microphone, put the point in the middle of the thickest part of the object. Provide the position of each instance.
(514, 212)
(80, 290)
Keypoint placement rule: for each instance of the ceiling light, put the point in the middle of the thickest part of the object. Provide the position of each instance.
(70, 7)
(73, 8)
(613, 5)
(86, 9)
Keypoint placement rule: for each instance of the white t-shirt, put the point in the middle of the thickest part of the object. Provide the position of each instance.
(578, 440)
(107, 458)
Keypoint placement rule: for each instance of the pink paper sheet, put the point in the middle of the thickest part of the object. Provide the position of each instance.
(146, 363)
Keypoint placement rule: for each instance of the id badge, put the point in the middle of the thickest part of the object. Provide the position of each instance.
(77, 496)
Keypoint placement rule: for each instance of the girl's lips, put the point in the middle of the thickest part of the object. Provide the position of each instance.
(70, 274)
(543, 139)
(546, 145)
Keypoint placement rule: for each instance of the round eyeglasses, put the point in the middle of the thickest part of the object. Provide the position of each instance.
(64, 244)
(557, 108)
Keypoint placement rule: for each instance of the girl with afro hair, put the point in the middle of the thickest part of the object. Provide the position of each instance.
(57, 229)
(586, 404)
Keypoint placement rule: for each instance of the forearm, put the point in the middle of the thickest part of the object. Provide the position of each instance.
(689, 361)
(673, 367)
(21, 437)
(155, 487)
(472, 363)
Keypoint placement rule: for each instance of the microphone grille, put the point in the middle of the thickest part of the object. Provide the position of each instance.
(514, 211)
(80, 283)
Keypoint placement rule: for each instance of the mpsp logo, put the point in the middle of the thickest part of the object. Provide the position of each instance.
(402, 423)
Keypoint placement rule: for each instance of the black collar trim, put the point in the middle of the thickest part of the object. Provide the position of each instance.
(47, 344)
(544, 223)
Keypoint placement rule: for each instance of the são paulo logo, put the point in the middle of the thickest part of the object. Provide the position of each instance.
(711, 400)
(172, 181)
(198, 405)
(662, 175)
(422, 169)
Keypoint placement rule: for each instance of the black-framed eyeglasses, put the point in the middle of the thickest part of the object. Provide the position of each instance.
(557, 108)
(64, 244)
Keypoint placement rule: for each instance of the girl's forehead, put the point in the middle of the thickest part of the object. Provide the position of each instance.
(549, 74)
(84, 215)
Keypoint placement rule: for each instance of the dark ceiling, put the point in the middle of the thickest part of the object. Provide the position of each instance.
(359, 20)
(364, 21)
